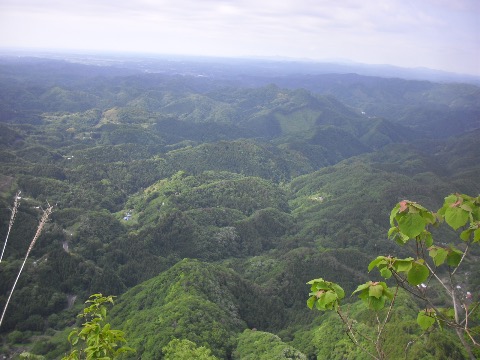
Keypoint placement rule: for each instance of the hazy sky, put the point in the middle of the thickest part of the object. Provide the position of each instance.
(439, 34)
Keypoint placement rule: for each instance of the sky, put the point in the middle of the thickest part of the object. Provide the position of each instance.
(437, 34)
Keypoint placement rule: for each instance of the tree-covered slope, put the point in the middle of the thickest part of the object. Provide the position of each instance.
(206, 205)
(203, 303)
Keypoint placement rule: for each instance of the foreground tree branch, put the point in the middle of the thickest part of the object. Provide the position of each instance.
(409, 226)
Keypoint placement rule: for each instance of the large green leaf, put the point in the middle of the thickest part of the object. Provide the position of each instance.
(465, 235)
(425, 319)
(375, 262)
(454, 257)
(411, 224)
(427, 237)
(376, 304)
(438, 255)
(320, 286)
(403, 265)
(456, 217)
(449, 200)
(362, 287)
(429, 217)
(417, 274)
(327, 301)
(386, 273)
(338, 290)
(376, 291)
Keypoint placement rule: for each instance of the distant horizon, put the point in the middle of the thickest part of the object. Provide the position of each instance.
(66, 54)
(433, 34)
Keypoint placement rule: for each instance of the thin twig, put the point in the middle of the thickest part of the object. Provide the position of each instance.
(406, 286)
(463, 257)
(439, 280)
(471, 311)
(351, 334)
(407, 347)
(471, 338)
(41, 224)
(466, 316)
(454, 299)
(16, 204)
(389, 312)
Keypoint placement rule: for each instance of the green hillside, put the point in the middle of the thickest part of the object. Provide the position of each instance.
(206, 205)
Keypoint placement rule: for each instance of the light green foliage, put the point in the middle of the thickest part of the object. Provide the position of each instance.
(186, 350)
(260, 345)
(408, 220)
(96, 340)
(324, 295)
(212, 215)
(374, 294)
(192, 300)
(426, 318)
(458, 209)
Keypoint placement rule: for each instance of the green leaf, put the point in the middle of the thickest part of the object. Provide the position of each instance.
(403, 265)
(476, 211)
(476, 235)
(375, 262)
(320, 306)
(103, 311)
(392, 232)
(438, 255)
(448, 312)
(394, 213)
(320, 286)
(417, 274)
(411, 224)
(375, 291)
(456, 217)
(385, 273)
(388, 294)
(418, 206)
(466, 207)
(362, 287)
(328, 299)
(450, 199)
(338, 290)
(71, 334)
(454, 257)
(428, 239)
(376, 304)
(429, 217)
(311, 302)
(465, 235)
(425, 319)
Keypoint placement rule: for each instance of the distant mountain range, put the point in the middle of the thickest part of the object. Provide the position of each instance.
(219, 67)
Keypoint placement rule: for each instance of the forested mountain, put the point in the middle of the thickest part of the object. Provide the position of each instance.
(205, 203)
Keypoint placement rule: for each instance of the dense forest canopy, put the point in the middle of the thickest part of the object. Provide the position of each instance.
(205, 200)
